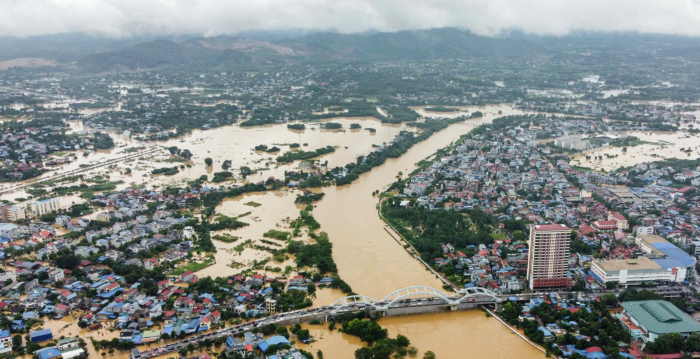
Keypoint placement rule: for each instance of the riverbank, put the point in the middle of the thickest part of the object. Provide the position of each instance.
(516, 331)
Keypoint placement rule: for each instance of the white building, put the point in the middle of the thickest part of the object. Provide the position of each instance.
(663, 262)
(648, 230)
(56, 275)
(188, 232)
(13, 213)
(62, 220)
(44, 207)
(632, 271)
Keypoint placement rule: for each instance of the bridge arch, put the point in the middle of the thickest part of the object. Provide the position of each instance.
(474, 292)
(352, 301)
(402, 293)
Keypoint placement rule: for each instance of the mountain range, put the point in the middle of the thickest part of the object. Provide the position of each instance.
(230, 52)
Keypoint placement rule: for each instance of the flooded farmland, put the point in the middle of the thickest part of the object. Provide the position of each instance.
(662, 145)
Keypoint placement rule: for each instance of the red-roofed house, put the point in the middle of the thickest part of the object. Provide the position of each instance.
(62, 310)
(215, 317)
(621, 221)
(604, 226)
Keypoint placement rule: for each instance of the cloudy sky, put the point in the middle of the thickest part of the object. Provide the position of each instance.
(117, 18)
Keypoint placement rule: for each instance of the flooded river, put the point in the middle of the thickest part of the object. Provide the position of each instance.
(463, 334)
(368, 258)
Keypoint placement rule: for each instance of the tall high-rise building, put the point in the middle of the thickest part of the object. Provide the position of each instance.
(548, 259)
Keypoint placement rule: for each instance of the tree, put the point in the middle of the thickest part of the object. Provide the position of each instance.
(666, 344)
(208, 161)
(283, 332)
(610, 300)
(402, 340)
(303, 334)
(67, 261)
(412, 351)
(186, 154)
(692, 342)
(311, 288)
(226, 165)
(368, 331)
(17, 341)
(429, 355)
(245, 171)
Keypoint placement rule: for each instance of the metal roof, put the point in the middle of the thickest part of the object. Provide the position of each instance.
(659, 316)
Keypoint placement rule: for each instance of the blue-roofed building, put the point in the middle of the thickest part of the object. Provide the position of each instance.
(273, 340)
(18, 325)
(41, 335)
(536, 301)
(48, 353)
(547, 334)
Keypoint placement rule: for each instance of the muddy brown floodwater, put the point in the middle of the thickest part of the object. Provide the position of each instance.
(664, 145)
(463, 334)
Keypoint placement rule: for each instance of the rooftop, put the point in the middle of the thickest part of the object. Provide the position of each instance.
(660, 316)
(641, 263)
(552, 227)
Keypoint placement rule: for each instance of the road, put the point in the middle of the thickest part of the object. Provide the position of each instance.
(29, 182)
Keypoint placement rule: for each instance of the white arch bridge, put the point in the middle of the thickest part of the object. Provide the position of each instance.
(407, 296)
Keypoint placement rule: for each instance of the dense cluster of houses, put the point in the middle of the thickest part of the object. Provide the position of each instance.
(513, 176)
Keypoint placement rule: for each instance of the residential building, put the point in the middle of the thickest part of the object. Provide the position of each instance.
(13, 213)
(270, 306)
(43, 207)
(647, 230)
(188, 232)
(548, 258)
(56, 275)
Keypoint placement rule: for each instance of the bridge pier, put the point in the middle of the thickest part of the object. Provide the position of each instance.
(454, 307)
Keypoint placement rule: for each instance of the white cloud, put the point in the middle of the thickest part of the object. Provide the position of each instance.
(214, 17)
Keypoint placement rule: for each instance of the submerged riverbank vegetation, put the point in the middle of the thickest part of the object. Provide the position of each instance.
(292, 156)
(400, 145)
(379, 345)
(441, 109)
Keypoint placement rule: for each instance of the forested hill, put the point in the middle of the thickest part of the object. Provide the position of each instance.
(230, 52)
(162, 53)
(441, 43)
